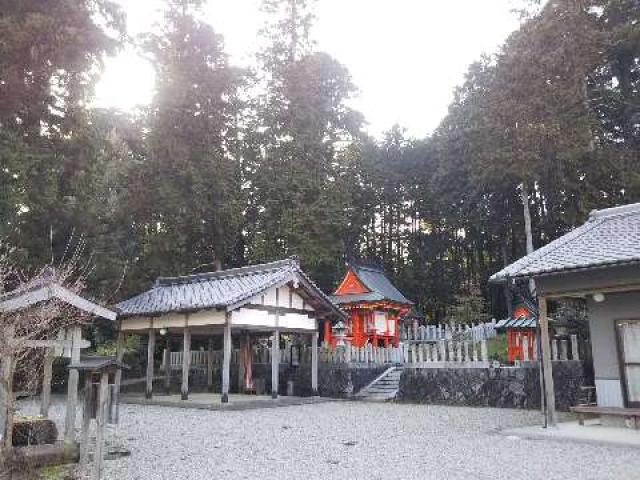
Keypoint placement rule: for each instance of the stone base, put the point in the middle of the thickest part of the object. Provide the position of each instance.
(508, 387)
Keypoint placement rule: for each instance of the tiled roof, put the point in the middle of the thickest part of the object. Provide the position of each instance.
(380, 288)
(610, 237)
(222, 289)
(522, 322)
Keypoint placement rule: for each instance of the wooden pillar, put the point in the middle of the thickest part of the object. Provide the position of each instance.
(327, 333)
(186, 363)
(241, 369)
(101, 415)
(72, 387)
(314, 362)
(275, 361)
(3, 393)
(226, 358)
(6, 392)
(167, 365)
(118, 376)
(45, 398)
(151, 347)
(86, 420)
(210, 365)
(547, 368)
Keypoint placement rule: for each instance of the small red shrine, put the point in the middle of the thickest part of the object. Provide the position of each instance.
(375, 307)
(523, 324)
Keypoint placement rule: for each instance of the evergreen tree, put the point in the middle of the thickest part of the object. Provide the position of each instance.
(186, 197)
(301, 124)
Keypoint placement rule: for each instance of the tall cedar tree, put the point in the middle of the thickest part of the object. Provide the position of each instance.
(302, 121)
(186, 197)
(51, 54)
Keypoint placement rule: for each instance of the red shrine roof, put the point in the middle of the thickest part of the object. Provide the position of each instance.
(364, 284)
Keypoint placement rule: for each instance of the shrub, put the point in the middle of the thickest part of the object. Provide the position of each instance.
(34, 431)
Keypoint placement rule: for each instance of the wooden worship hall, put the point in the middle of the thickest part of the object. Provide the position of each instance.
(249, 303)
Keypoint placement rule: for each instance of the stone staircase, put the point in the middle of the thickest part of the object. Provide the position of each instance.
(382, 389)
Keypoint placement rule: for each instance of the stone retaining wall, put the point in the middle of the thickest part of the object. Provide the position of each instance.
(508, 387)
(334, 380)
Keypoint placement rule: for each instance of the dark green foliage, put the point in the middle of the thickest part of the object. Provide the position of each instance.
(228, 167)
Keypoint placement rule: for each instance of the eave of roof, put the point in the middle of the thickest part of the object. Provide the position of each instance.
(222, 290)
(379, 286)
(609, 239)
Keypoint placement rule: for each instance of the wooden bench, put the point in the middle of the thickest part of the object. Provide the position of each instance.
(627, 413)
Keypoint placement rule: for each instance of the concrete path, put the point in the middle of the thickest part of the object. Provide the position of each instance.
(593, 433)
(212, 401)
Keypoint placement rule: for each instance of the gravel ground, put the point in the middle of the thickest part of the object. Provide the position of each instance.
(348, 440)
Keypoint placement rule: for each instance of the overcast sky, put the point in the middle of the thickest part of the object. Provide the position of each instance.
(405, 56)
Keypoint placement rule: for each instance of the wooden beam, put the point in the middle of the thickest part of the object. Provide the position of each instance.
(47, 292)
(241, 367)
(210, 364)
(280, 310)
(122, 337)
(83, 304)
(86, 421)
(275, 361)
(167, 365)
(101, 415)
(50, 343)
(45, 397)
(591, 291)
(186, 363)
(226, 358)
(6, 393)
(314, 362)
(151, 347)
(552, 418)
(72, 387)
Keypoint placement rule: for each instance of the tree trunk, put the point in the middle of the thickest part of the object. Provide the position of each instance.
(507, 290)
(527, 217)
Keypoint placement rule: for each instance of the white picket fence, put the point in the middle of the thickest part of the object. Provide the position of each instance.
(436, 354)
(447, 353)
(362, 355)
(433, 333)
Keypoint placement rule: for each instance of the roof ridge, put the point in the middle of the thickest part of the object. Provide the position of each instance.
(630, 209)
(246, 270)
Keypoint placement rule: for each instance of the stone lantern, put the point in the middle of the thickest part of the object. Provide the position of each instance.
(339, 330)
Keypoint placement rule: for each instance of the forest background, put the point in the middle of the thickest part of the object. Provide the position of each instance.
(230, 166)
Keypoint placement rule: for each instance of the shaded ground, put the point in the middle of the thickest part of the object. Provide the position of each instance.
(351, 440)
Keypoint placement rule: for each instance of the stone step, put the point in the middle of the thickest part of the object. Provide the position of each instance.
(384, 389)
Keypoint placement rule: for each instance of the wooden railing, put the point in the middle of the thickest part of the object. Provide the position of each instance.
(291, 354)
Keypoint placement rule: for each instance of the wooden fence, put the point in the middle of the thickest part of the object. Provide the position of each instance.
(453, 352)
(291, 354)
(434, 333)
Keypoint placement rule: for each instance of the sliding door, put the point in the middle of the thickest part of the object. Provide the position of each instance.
(629, 346)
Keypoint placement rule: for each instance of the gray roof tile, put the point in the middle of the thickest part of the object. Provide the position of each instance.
(610, 237)
(379, 285)
(222, 289)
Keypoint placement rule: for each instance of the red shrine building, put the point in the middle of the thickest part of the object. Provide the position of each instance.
(374, 305)
(523, 324)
